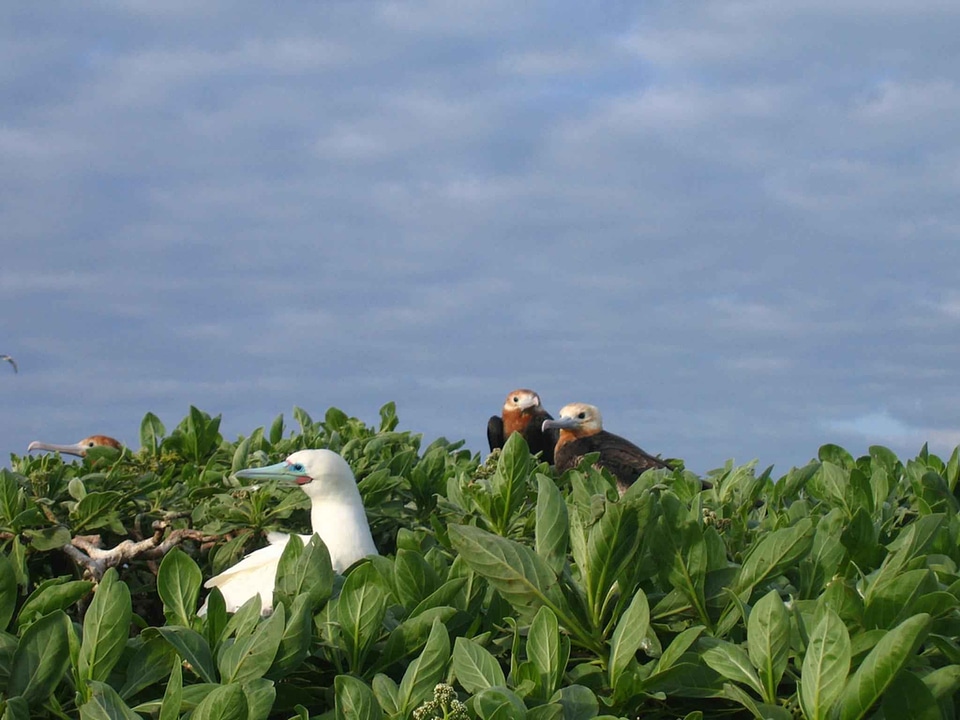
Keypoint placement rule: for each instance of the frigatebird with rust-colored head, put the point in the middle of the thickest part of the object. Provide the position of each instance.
(523, 413)
(581, 432)
(78, 448)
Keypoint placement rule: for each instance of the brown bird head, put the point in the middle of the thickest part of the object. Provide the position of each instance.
(79, 448)
(522, 400)
(577, 419)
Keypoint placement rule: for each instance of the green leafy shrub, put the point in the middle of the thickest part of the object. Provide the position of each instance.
(501, 591)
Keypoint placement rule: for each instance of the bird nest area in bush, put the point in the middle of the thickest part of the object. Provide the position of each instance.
(501, 588)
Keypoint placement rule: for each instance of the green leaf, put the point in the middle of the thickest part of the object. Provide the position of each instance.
(611, 543)
(151, 432)
(276, 429)
(147, 661)
(909, 697)
(17, 709)
(499, 703)
(48, 538)
(106, 627)
(51, 595)
(191, 646)
(249, 657)
(414, 579)
(41, 658)
(733, 663)
(226, 702)
(387, 694)
(261, 696)
(881, 666)
(776, 551)
(628, 635)
(178, 584)
(522, 578)
(768, 641)
(825, 666)
(105, 704)
(681, 643)
(304, 569)
(551, 535)
(173, 694)
(95, 510)
(578, 702)
(475, 667)
(355, 700)
(543, 650)
(426, 671)
(8, 591)
(295, 642)
(360, 608)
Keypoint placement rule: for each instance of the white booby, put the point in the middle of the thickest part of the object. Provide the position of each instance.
(336, 515)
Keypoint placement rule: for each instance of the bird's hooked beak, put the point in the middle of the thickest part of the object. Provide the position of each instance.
(288, 473)
(564, 423)
(78, 448)
(529, 404)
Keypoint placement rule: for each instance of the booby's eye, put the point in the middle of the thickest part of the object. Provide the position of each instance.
(582, 415)
(298, 467)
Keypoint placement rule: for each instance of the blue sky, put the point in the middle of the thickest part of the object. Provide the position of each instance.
(732, 226)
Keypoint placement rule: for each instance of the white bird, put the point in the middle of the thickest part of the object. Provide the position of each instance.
(336, 515)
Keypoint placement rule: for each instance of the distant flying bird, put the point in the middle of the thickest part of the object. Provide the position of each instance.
(336, 515)
(10, 360)
(79, 448)
(523, 413)
(581, 432)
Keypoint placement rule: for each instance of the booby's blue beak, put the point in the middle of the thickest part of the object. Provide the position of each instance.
(290, 473)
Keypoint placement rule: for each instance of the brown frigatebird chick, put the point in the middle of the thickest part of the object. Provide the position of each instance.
(523, 413)
(79, 448)
(581, 432)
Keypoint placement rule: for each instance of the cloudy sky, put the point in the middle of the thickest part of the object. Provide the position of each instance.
(733, 226)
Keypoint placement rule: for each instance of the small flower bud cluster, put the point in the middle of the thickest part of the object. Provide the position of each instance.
(444, 706)
(710, 518)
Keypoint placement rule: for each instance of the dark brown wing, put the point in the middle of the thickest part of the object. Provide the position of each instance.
(623, 459)
(538, 440)
(495, 433)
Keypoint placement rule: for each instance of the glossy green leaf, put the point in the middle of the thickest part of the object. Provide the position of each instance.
(550, 533)
(105, 704)
(8, 591)
(304, 569)
(628, 635)
(474, 666)
(249, 657)
(361, 607)
(578, 702)
(192, 647)
(225, 702)
(172, 694)
(881, 666)
(733, 662)
(543, 650)
(106, 627)
(499, 703)
(355, 700)
(41, 658)
(825, 666)
(909, 697)
(426, 671)
(261, 696)
(294, 644)
(768, 641)
(51, 595)
(178, 584)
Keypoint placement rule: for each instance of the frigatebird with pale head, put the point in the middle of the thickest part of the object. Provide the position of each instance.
(581, 432)
(78, 448)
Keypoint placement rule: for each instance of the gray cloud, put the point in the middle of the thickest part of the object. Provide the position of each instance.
(731, 226)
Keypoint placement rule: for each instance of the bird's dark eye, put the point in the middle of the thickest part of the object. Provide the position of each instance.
(89, 444)
(516, 399)
(582, 415)
(298, 467)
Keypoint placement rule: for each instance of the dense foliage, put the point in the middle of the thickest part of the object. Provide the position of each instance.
(502, 590)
